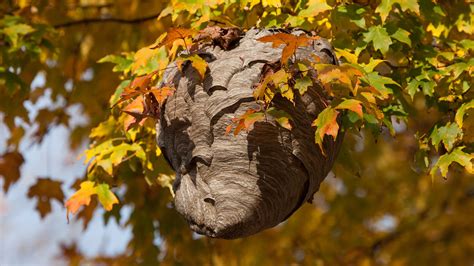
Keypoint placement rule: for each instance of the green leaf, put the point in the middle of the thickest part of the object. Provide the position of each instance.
(302, 84)
(106, 197)
(456, 156)
(15, 32)
(386, 6)
(380, 83)
(461, 111)
(448, 134)
(379, 38)
(282, 117)
(122, 64)
(118, 91)
(402, 36)
(412, 88)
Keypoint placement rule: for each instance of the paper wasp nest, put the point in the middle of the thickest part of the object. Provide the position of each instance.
(233, 186)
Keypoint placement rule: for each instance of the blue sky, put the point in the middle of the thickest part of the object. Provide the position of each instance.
(25, 239)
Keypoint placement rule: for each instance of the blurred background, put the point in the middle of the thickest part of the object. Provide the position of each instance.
(382, 211)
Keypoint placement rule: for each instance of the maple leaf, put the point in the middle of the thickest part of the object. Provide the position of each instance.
(344, 75)
(245, 121)
(448, 134)
(135, 113)
(291, 42)
(175, 34)
(282, 117)
(161, 94)
(81, 197)
(198, 63)
(46, 190)
(326, 124)
(106, 197)
(350, 57)
(84, 194)
(302, 84)
(353, 105)
(279, 80)
(139, 86)
(461, 111)
(379, 83)
(379, 37)
(457, 156)
(122, 63)
(271, 3)
(10, 164)
(386, 6)
(314, 8)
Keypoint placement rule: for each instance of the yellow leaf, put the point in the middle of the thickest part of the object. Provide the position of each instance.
(271, 3)
(314, 8)
(351, 58)
(142, 56)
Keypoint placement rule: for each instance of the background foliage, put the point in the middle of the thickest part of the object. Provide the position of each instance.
(401, 191)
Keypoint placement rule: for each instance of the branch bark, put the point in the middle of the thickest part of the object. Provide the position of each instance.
(105, 20)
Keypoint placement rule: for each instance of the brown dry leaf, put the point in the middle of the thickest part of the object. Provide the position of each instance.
(46, 190)
(10, 164)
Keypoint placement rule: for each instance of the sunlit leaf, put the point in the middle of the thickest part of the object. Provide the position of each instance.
(455, 156)
(282, 117)
(352, 105)
(106, 197)
(326, 124)
(379, 38)
(175, 34)
(461, 111)
(81, 197)
(291, 42)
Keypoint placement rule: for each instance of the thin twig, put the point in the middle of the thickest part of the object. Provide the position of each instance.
(104, 20)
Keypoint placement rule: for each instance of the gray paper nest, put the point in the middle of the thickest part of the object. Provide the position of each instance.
(234, 186)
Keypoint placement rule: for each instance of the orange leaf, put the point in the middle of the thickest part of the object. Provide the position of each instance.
(138, 86)
(134, 112)
(176, 34)
(81, 197)
(291, 42)
(344, 75)
(246, 120)
(326, 124)
(161, 94)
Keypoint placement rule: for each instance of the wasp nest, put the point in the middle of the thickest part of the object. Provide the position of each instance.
(233, 186)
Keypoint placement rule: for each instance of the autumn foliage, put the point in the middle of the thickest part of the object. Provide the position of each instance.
(401, 94)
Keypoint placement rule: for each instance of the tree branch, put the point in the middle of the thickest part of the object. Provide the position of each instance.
(105, 20)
